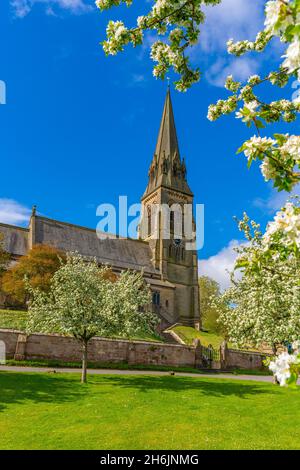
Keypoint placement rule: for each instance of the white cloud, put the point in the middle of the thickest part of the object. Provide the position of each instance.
(240, 68)
(217, 266)
(275, 200)
(24, 7)
(11, 212)
(138, 79)
(236, 19)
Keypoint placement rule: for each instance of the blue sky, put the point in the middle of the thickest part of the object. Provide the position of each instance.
(79, 129)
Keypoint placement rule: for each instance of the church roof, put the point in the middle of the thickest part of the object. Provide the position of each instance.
(118, 252)
(167, 169)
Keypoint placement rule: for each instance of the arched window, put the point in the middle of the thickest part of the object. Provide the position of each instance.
(156, 298)
(172, 215)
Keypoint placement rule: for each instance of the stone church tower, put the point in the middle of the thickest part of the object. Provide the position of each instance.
(168, 187)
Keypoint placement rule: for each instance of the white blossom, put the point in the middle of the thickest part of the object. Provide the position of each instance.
(292, 147)
(268, 169)
(257, 145)
(276, 21)
(286, 225)
(281, 367)
(292, 56)
(272, 11)
(296, 346)
(248, 112)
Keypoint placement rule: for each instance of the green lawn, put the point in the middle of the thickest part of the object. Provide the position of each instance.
(16, 320)
(188, 334)
(13, 319)
(54, 411)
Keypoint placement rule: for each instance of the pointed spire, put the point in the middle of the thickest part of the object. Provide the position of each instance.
(167, 138)
(166, 168)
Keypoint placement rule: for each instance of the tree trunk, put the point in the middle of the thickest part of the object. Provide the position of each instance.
(84, 361)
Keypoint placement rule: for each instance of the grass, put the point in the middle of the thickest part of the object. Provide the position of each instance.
(45, 411)
(16, 320)
(100, 365)
(188, 334)
(258, 372)
(13, 319)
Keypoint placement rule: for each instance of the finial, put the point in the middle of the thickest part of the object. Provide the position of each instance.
(33, 211)
(168, 79)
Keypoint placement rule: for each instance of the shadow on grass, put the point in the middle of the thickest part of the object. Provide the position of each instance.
(22, 388)
(209, 387)
(18, 388)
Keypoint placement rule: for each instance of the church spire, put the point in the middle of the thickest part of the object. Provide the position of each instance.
(167, 142)
(166, 168)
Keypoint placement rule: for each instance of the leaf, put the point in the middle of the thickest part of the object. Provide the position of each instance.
(241, 149)
(259, 124)
(292, 381)
(297, 5)
(280, 138)
(241, 264)
(250, 160)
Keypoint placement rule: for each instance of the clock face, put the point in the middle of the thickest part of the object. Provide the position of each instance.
(177, 242)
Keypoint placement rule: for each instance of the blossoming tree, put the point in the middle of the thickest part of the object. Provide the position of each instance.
(84, 301)
(262, 308)
(280, 155)
(176, 21)
(279, 243)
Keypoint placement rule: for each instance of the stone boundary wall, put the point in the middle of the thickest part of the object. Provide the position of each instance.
(237, 359)
(41, 346)
(244, 360)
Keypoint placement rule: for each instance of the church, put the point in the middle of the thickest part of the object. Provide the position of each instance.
(169, 269)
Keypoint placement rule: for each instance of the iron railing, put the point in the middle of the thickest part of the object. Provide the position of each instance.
(209, 355)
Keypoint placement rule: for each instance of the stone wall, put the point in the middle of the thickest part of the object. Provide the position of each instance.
(244, 360)
(40, 346)
(237, 359)
(10, 339)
